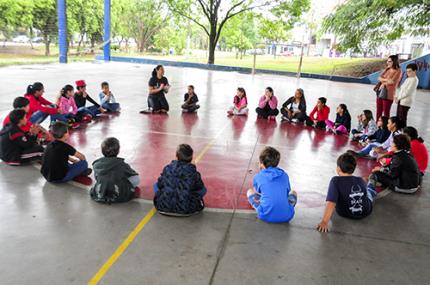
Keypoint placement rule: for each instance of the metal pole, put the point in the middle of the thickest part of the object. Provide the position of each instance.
(299, 71)
(255, 60)
(62, 30)
(106, 34)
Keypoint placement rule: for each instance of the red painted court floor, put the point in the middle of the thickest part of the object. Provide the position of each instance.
(231, 146)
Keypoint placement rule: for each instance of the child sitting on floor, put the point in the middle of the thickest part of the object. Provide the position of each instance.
(342, 125)
(240, 107)
(81, 97)
(381, 134)
(418, 148)
(17, 146)
(179, 190)
(366, 126)
(270, 195)
(190, 101)
(68, 106)
(107, 100)
(61, 162)
(348, 194)
(115, 180)
(403, 174)
(321, 110)
(267, 106)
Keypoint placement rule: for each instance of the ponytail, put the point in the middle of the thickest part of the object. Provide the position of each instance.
(66, 89)
(154, 72)
(33, 88)
(412, 133)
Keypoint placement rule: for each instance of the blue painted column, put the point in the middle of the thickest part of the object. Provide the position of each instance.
(106, 34)
(62, 30)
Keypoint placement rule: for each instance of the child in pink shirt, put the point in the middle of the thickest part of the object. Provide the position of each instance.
(240, 104)
(67, 105)
(267, 106)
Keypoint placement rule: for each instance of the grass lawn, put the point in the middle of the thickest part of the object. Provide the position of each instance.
(14, 59)
(319, 65)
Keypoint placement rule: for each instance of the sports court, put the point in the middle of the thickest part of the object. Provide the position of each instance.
(55, 234)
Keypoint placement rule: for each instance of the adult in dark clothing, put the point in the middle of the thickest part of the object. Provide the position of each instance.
(16, 146)
(180, 189)
(294, 109)
(403, 174)
(158, 86)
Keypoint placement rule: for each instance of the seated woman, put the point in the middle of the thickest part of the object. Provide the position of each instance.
(158, 86)
(294, 109)
(403, 174)
(267, 107)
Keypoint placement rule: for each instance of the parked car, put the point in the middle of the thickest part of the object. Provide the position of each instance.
(258, 51)
(37, 40)
(21, 39)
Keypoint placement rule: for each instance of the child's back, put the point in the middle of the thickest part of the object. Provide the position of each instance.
(273, 185)
(112, 180)
(350, 195)
(179, 189)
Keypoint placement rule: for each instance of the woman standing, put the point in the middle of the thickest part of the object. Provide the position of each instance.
(389, 79)
(158, 86)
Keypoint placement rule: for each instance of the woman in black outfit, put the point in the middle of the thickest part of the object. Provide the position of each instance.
(294, 109)
(158, 86)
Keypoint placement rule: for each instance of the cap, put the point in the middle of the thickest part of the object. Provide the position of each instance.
(80, 83)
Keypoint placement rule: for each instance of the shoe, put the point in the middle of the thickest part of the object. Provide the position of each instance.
(283, 118)
(147, 111)
(87, 172)
(75, 125)
(87, 118)
(294, 121)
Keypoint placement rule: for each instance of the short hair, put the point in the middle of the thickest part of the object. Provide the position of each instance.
(105, 83)
(347, 163)
(16, 115)
(191, 86)
(59, 129)
(402, 142)
(184, 152)
(412, 66)
(110, 147)
(20, 102)
(322, 100)
(270, 157)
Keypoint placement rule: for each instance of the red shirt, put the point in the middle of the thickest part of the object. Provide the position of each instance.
(25, 128)
(39, 104)
(322, 114)
(419, 151)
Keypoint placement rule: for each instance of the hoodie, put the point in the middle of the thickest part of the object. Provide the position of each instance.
(273, 185)
(112, 184)
(178, 189)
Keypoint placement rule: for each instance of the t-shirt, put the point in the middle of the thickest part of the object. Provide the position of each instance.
(350, 195)
(55, 163)
(156, 83)
(193, 100)
(296, 107)
(81, 101)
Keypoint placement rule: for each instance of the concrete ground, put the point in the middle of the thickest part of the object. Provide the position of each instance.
(54, 234)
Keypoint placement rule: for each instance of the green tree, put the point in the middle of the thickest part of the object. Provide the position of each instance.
(361, 25)
(44, 19)
(14, 15)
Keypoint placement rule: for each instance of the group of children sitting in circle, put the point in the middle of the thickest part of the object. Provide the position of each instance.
(180, 190)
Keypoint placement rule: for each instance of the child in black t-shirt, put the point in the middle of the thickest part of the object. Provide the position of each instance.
(17, 146)
(348, 194)
(61, 162)
(190, 101)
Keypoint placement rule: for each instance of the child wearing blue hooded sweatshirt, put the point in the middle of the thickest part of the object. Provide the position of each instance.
(271, 195)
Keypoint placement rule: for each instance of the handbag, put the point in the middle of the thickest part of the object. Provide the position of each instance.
(383, 93)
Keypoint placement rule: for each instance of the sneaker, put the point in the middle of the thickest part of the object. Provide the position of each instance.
(75, 125)
(283, 118)
(87, 118)
(87, 172)
(294, 121)
(147, 111)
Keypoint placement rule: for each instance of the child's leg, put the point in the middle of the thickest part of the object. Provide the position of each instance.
(75, 169)
(284, 112)
(134, 180)
(59, 117)
(244, 111)
(253, 198)
(368, 148)
(320, 125)
(38, 117)
(31, 154)
(273, 112)
(261, 112)
(163, 103)
(93, 111)
(371, 188)
(329, 124)
(341, 130)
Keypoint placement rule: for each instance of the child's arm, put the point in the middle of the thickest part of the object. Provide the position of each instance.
(328, 212)
(80, 156)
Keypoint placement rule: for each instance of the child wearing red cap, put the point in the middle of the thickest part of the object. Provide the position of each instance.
(81, 97)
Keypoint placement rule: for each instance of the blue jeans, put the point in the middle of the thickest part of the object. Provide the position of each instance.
(111, 107)
(254, 200)
(75, 169)
(92, 111)
(368, 148)
(38, 117)
(202, 192)
(371, 191)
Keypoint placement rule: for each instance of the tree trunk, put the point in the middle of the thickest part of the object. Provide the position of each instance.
(47, 41)
(212, 44)
(81, 39)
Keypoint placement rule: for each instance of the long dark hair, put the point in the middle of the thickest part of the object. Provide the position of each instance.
(154, 72)
(412, 133)
(384, 122)
(33, 88)
(369, 116)
(270, 90)
(242, 90)
(395, 59)
(66, 89)
(345, 110)
(395, 120)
